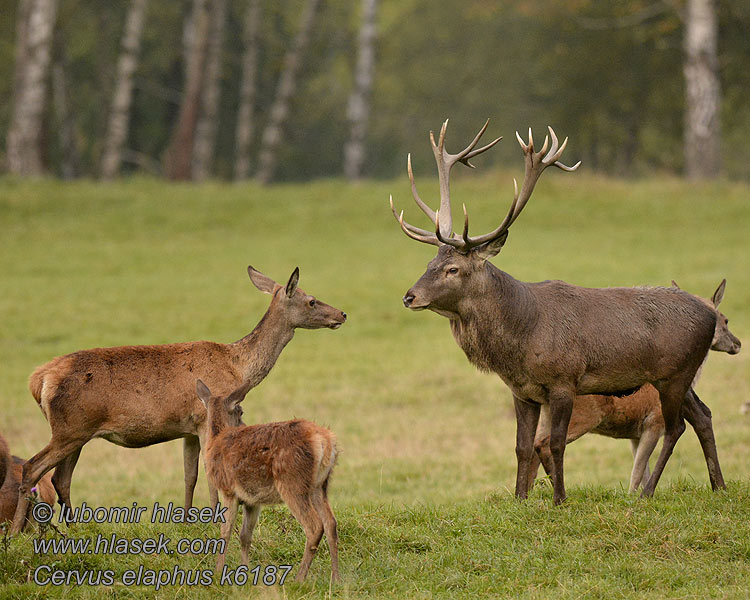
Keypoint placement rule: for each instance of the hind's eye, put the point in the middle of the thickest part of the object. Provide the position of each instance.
(453, 270)
(312, 302)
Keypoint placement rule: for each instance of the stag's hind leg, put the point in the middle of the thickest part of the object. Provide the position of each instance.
(699, 416)
(671, 395)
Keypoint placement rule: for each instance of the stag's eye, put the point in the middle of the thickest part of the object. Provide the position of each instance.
(453, 270)
(311, 303)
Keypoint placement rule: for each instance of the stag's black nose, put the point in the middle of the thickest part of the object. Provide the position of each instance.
(408, 299)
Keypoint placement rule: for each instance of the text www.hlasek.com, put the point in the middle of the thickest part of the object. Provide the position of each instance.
(161, 545)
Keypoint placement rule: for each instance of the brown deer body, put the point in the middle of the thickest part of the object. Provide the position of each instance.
(638, 417)
(253, 465)
(11, 471)
(551, 341)
(135, 396)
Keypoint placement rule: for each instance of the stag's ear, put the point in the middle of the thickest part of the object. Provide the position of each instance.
(674, 285)
(203, 392)
(491, 248)
(291, 285)
(263, 283)
(719, 293)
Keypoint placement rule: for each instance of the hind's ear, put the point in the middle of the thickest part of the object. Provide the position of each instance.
(203, 392)
(719, 293)
(237, 395)
(263, 283)
(291, 285)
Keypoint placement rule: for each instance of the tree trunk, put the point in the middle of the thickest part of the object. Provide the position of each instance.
(70, 159)
(178, 158)
(702, 91)
(287, 84)
(248, 87)
(34, 27)
(208, 116)
(359, 102)
(119, 116)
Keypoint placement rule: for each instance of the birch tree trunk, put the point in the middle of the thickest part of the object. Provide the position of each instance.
(208, 115)
(248, 88)
(358, 111)
(178, 158)
(287, 84)
(34, 27)
(702, 138)
(119, 116)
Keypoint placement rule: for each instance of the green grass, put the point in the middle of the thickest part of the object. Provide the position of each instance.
(423, 489)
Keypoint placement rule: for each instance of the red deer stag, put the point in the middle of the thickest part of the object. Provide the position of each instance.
(550, 341)
(11, 468)
(135, 396)
(253, 465)
(637, 417)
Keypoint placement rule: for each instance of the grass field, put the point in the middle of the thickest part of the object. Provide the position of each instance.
(423, 489)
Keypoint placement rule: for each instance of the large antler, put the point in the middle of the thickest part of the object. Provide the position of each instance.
(536, 162)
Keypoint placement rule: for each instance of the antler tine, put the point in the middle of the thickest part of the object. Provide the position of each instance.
(536, 162)
(415, 230)
(425, 209)
(449, 240)
(427, 239)
(465, 235)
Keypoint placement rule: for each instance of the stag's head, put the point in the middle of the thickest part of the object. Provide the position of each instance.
(299, 309)
(458, 270)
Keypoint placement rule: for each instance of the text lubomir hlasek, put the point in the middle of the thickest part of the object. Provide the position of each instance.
(134, 514)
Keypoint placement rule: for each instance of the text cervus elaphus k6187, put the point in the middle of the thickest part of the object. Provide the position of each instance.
(550, 341)
(135, 396)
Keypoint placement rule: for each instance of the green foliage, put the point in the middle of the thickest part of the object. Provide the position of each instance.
(423, 486)
(616, 89)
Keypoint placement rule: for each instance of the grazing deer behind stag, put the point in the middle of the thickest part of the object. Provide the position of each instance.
(637, 416)
(135, 396)
(253, 465)
(11, 470)
(551, 341)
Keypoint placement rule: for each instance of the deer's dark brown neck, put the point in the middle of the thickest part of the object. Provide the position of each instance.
(258, 351)
(494, 321)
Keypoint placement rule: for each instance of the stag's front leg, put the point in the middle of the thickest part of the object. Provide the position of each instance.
(527, 417)
(560, 409)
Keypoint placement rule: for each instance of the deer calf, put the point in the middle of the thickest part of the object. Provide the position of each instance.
(638, 417)
(135, 396)
(11, 468)
(253, 465)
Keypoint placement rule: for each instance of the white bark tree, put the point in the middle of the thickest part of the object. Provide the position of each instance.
(122, 99)
(702, 91)
(358, 111)
(34, 28)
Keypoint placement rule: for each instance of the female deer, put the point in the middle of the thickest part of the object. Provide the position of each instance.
(253, 465)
